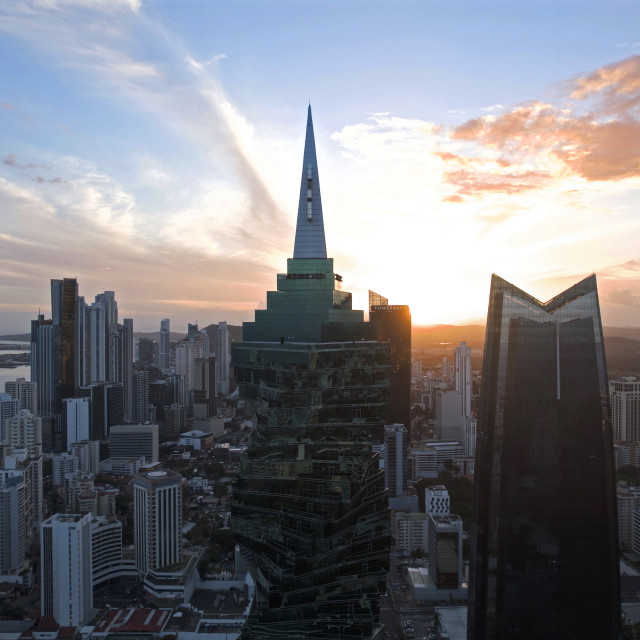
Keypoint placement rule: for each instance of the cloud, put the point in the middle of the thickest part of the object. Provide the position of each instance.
(56, 180)
(207, 63)
(12, 161)
(624, 297)
(8, 106)
(593, 135)
(180, 93)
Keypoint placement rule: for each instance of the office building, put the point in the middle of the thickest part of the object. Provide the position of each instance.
(393, 323)
(157, 508)
(412, 532)
(470, 435)
(223, 359)
(175, 420)
(445, 551)
(66, 583)
(160, 395)
(164, 345)
(437, 501)
(121, 340)
(145, 352)
(42, 363)
(140, 396)
(309, 506)
(134, 441)
(204, 390)
(544, 539)
(106, 407)
(64, 312)
(25, 392)
(449, 419)
(395, 458)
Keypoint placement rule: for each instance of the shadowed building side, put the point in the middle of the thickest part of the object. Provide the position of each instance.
(544, 538)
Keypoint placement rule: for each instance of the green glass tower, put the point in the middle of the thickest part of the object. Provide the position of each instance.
(309, 505)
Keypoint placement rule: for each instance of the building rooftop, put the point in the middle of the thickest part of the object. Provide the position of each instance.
(132, 621)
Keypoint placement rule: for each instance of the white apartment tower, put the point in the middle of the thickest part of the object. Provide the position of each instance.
(24, 431)
(25, 392)
(157, 508)
(624, 395)
(75, 419)
(88, 454)
(66, 582)
(8, 409)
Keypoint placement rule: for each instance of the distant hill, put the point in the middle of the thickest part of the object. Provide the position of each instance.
(17, 337)
(431, 344)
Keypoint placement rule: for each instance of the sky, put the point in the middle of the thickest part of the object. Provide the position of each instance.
(154, 148)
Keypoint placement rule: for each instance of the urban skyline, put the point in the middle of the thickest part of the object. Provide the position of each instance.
(156, 143)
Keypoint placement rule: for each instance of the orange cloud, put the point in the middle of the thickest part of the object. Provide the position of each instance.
(601, 144)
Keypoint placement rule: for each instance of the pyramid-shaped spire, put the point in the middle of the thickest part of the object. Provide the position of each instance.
(310, 242)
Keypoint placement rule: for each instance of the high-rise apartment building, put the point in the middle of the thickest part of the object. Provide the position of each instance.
(24, 431)
(625, 409)
(462, 360)
(25, 392)
(164, 345)
(544, 538)
(66, 584)
(88, 454)
(15, 523)
(157, 508)
(395, 458)
(309, 507)
(8, 409)
(76, 418)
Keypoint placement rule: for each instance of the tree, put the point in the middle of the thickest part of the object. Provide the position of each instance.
(219, 490)
(203, 569)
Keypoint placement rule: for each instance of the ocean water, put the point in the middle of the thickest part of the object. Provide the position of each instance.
(11, 374)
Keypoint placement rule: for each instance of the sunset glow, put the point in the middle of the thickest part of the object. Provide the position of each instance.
(154, 149)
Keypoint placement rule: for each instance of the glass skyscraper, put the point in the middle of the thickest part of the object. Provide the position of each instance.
(309, 504)
(544, 539)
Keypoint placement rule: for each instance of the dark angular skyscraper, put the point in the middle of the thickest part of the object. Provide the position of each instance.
(544, 540)
(309, 504)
